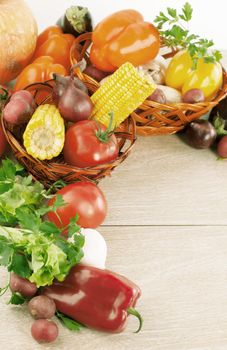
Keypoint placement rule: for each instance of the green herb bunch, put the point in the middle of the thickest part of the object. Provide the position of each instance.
(30, 246)
(175, 35)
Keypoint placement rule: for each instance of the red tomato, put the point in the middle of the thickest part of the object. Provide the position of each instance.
(83, 148)
(82, 198)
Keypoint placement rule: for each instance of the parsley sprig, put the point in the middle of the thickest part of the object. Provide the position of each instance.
(175, 35)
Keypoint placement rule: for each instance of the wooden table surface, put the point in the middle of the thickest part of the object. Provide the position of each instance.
(167, 230)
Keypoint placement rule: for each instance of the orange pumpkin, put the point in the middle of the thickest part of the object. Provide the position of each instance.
(18, 35)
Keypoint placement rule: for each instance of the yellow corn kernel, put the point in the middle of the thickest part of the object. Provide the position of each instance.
(44, 135)
(121, 93)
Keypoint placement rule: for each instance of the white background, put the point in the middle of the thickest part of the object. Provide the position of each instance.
(209, 17)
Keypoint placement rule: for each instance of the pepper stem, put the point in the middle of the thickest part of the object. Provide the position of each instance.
(134, 312)
(104, 136)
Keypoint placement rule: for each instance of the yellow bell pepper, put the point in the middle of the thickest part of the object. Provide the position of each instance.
(206, 76)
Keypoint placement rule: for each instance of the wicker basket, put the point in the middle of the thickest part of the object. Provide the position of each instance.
(152, 118)
(49, 172)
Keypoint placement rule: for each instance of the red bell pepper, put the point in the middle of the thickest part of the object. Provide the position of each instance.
(98, 299)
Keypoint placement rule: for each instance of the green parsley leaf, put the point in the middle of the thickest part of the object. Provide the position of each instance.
(56, 186)
(43, 210)
(5, 186)
(49, 227)
(19, 265)
(217, 55)
(73, 227)
(68, 322)
(19, 168)
(8, 170)
(219, 124)
(79, 240)
(17, 299)
(6, 252)
(58, 203)
(172, 12)
(187, 12)
(27, 218)
(175, 35)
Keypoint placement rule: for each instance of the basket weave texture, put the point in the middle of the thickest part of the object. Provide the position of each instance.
(48, 172)
(152, 118)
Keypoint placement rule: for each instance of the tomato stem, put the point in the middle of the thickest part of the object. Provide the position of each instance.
(104, 136)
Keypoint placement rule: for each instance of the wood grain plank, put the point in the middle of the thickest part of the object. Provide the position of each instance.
(182, 272)
(166, 182)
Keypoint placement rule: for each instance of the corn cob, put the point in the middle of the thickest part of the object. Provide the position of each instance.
(44, 135)
(121, 94)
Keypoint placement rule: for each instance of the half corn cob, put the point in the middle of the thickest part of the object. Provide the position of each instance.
(121, 93)
(44, 135)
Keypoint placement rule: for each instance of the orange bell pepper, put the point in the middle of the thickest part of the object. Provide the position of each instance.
(123, 37)
(38, 71)
(53, 42)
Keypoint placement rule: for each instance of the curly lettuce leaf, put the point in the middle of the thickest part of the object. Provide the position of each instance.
(16, 191)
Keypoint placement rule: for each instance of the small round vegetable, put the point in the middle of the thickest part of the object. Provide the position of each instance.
(24, 95)
(88, 143)
(193, 96)
(44, 331)
(172, 95)
(95, 73)
(222, 147)
(61, 84)
(157, 96)
(82, 198)
(42, 307)
(200, 134)
(20, 108)
(74, 104)
(22, 285)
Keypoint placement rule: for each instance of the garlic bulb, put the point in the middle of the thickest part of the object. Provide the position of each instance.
(156, 69)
